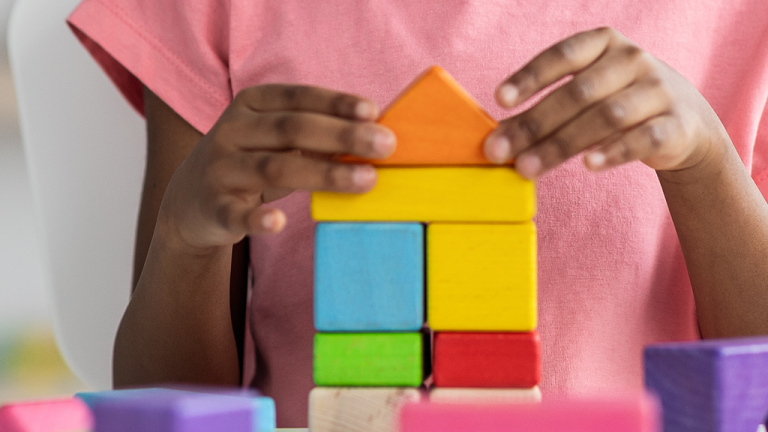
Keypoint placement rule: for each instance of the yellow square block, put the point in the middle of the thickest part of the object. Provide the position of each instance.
(444, 194)
(481, 277)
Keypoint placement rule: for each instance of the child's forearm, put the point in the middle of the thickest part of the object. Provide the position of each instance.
(721, 220)
(177, 327)
(161, 337)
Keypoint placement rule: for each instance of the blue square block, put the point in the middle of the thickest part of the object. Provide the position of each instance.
(262, 407)
(369, 277)
(710, 386)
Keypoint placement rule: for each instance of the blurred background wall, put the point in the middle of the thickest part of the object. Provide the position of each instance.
(30, 366)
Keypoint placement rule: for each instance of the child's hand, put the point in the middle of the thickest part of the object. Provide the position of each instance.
(270, 141)
(621, 105)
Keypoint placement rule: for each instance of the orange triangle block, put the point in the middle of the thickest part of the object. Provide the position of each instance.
(436, 123)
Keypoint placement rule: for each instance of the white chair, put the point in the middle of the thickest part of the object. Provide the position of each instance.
(85, 150)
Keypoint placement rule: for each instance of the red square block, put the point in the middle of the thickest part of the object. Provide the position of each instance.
(487, 360)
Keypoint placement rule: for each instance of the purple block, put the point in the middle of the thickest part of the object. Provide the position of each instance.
(174, 411)
(263, 408)
(710, 386)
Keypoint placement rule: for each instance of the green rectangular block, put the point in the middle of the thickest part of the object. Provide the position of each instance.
(369, 359)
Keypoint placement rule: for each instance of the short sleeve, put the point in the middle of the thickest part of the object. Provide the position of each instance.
(177, 48)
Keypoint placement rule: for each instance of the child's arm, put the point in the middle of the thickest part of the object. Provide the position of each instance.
(202, 194)
(624, 105)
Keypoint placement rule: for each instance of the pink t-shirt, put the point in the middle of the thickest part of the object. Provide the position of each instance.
(611, 273)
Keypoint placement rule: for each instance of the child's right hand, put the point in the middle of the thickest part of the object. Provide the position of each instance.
(271, 140)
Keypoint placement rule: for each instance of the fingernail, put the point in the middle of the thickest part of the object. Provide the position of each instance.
(273, 221)
(365, 110)
(528, 165)
(508, 94)
(268, 221)
(498, 149)
(595, 159)
(363, 176)
(383, 142)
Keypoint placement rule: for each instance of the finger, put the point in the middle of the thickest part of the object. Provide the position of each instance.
(268, 170)
(617, 113)
(275, 194)
(649, 140)
(242, 217)
(315, 132)
(287, 97)
(266, 221)
(616, 70)
(564, 58)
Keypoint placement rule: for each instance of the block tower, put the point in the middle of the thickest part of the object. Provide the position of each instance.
(441, 225)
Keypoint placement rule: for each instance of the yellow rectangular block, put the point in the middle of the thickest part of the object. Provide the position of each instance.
(481, 277)
(442, 194)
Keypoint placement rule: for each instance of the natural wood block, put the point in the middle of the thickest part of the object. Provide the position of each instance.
(505, 360)
(436, 123)
(611, 413)
(484, 395)
(709, 386)
(369, 359)
(61, 415)
(369, 277)
(439, 194)
(481, 277)
(357, 409)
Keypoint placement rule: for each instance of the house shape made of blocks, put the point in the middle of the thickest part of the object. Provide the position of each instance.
(444, 239)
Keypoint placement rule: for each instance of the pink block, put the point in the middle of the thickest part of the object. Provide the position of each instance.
(624, 413)
(65, 415)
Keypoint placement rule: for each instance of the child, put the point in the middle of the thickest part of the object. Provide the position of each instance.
(232, 154)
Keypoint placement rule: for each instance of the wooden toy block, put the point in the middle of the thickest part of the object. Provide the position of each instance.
(369, 277)
(436, 123)
(481, 277)
(357, 409)
(638, 413)
(262, 407)
(438, 194)
(93, 398)
(174, 411)
(263, 410)
(61, 415)
(506, 360)
(369, 359)
(714, 385)
(484, 395)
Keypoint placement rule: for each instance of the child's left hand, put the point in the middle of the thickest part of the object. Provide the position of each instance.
(622, 104)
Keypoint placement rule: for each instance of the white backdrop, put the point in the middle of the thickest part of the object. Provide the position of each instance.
(23, 301)
(85, 150)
